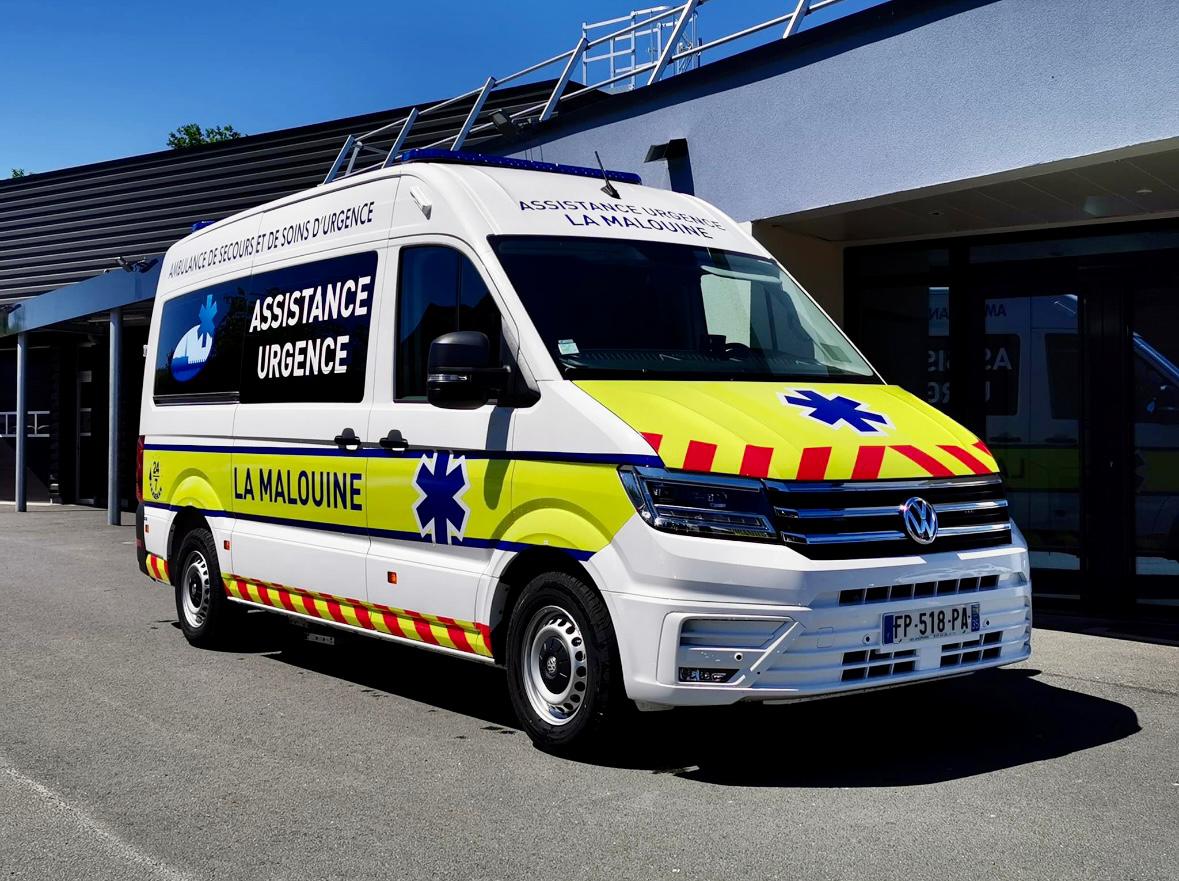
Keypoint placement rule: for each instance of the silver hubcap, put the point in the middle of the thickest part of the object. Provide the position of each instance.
(555, 670)
(195, 590)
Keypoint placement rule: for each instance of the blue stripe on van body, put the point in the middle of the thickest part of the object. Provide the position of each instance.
(393, 534)
(374, 452)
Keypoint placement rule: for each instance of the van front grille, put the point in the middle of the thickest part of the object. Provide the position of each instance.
(858, 596)
(876, 664)
(857, 519)
(982, 648)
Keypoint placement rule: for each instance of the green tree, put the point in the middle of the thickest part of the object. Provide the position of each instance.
(18, 172)
(192, 135)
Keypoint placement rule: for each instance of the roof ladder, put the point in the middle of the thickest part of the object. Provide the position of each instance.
(676, 51)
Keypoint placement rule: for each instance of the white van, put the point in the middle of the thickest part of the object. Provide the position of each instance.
(580, 428)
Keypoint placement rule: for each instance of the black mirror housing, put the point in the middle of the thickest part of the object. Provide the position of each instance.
(459, 372)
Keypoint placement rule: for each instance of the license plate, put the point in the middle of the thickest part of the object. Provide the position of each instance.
(929, 624)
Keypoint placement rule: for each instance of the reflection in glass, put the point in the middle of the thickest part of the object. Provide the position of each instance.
(1032, 368)
(1155, 351)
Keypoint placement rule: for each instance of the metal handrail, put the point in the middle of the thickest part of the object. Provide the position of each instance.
(357, 145)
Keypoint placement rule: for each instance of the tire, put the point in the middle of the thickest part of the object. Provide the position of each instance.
(564, 674)
(206, 615)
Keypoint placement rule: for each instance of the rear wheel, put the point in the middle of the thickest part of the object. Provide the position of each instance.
(564, 676)
(206, 615)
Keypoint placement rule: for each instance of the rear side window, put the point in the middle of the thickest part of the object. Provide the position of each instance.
(293, 334)
(307, 336)
(199, 353)
(438, 290)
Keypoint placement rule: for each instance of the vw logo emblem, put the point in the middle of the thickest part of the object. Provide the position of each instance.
(920, 520)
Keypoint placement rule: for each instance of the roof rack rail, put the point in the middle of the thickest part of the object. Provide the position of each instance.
(673, 53)
(463, 157)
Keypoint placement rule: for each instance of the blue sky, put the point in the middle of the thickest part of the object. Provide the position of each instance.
(84, 82)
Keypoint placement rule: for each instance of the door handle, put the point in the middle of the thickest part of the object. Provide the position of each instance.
(347, 440)
(394, 441)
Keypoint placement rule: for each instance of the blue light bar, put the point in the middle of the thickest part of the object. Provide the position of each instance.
(434, 154)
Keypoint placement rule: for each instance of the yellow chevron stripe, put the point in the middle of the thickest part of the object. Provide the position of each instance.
(349, 614)
(441, 635)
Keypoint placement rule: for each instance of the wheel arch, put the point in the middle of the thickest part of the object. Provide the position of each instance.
(186, 520)
(521, 569)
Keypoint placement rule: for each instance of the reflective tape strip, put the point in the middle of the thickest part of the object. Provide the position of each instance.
(931, 465)
(699, 456)
(868, 462)
(976, 465)
(756, 461)
(157, 569)
(813, 464)
(464, 636)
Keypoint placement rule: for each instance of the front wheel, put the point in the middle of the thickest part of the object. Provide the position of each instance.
(564, 676)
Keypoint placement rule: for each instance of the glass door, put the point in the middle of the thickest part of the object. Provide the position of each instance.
(1031, 368)
(1153, 340)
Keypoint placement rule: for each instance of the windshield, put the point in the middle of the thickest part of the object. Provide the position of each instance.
(616, 309)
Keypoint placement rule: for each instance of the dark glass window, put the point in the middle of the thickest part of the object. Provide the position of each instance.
(307, 334)
(1063, 352)
(293, 334)
(199, 349)
(438, 291)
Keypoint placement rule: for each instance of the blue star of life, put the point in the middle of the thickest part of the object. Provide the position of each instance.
(206, 314)
(441, 480)
(831, 411)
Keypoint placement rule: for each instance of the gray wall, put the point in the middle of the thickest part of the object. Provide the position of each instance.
(910, 95)
(63, 226)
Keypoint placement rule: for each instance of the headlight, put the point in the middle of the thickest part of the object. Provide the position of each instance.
(720, 507)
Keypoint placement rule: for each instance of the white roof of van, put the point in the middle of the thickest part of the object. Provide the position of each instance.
(468, 200)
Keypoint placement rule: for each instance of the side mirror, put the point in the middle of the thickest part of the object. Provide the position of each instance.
(459, 371)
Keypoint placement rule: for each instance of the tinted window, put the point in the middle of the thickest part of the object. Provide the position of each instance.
(438, 291)
(294, 334)
(199, 348)
(307, 337)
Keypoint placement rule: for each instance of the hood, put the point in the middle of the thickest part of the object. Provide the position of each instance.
(819, 431)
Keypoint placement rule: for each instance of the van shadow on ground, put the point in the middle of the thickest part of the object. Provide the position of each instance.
(921, 734)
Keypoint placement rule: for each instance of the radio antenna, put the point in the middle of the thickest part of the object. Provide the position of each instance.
(609, 189)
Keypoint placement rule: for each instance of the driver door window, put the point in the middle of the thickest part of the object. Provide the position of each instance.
(438, 291)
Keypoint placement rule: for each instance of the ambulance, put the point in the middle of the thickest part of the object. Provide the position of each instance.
(546, 418)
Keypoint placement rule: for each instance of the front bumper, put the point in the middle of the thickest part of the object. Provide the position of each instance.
(780, 627)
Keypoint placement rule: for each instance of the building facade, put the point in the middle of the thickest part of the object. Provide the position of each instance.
(985, 193)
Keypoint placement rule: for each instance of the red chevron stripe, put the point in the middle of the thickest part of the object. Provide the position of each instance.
(422, 626)
(485, 632)
(981, 446)
(926, 461)
(335, 612)
(868, 462)
(394, 624)
(756, 461)
(813, 465)
(309, 605)
(457, 635)
(699, 456)
(653, 439)
(964, 456)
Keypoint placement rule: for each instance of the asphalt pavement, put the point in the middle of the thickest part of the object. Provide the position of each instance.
(127, 754)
